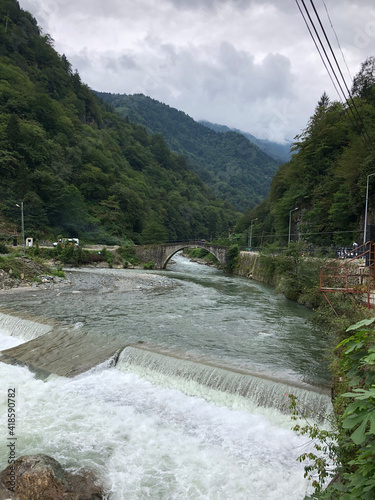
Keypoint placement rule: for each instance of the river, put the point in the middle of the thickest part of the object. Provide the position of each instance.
(195, 406)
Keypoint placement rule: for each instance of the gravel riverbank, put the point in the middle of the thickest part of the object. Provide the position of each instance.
(35, 277)
(123, 280)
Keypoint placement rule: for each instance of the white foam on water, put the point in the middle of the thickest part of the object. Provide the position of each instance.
(24, 329)
(145, 441)
(225, 387)
(7, 342)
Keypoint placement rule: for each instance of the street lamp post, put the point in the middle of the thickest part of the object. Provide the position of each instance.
(290, 221)
(251, 232)
(22, 229)
(365, 228)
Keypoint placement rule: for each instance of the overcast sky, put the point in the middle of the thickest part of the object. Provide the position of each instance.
(248, 64)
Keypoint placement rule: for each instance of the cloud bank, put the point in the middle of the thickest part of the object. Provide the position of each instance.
(249, 64)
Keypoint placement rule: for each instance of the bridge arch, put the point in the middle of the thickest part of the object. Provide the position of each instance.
(210, 248)
(160, 254)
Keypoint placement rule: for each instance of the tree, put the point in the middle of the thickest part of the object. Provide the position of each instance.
(364, 81)
(13, 131)
(154, 232)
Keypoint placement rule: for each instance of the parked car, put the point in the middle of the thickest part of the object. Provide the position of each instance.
(67, 242)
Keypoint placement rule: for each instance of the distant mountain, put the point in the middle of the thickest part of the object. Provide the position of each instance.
(235, 168)
(279, 152)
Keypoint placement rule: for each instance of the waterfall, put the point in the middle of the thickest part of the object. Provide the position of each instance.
(22, 328)
(223, 385)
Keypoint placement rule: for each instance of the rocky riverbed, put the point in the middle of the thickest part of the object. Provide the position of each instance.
(23, 273)
(32, 275)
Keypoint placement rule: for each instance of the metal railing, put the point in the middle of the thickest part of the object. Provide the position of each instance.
(354, 275)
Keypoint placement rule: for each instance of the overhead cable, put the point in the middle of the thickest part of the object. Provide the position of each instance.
(351, 107)
(337, 40)
(352, 101)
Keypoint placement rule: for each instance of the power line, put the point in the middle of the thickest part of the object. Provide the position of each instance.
(278, 235)
(337, 40)
(324, 49)
(317, 48)
(351, 108)
(342, 76)
(343, 97)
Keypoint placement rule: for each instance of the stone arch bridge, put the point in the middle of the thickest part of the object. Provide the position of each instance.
(160, 254)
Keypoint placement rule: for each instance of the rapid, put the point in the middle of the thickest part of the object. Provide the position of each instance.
(173, 391)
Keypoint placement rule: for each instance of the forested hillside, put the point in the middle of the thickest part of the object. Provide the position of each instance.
(326, 178)
(279, 152)
(236, 169)
(80, 169)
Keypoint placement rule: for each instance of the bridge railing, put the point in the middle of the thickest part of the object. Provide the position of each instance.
(201, 243)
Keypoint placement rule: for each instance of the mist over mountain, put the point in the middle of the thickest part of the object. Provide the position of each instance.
(279, 152)
(236, 169)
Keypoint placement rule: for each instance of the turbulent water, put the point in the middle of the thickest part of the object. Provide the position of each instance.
(194, 407)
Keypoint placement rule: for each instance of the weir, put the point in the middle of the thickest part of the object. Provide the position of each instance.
(25, 329)
(62, 352)
(70, 352)
(224, 385)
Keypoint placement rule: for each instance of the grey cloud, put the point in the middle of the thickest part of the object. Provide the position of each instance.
(231, 74)
(215, 5)
(243, 63)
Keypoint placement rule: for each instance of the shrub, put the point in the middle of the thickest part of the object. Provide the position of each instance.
(58, 273)
(351, 444)
(3, 248)
(108, 256)
(233, 254)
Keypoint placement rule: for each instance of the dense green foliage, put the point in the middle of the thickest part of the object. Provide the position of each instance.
(347, 451)
(326, 178)
(237, 170)
(82, 170)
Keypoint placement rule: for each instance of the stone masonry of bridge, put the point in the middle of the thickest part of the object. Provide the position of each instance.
(160, 254)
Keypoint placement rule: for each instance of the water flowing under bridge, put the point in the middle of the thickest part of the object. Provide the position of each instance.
(160, 254)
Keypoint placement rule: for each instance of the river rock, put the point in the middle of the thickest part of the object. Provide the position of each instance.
(40, 477)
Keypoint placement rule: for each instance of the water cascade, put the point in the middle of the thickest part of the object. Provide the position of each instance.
(24, 329)
(178, 392)
(223, 385)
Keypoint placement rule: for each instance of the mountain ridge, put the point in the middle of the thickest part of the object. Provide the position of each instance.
(235, 168)
(279, 152)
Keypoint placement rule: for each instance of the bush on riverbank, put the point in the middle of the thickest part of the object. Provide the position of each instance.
(298, 278)
(349, 449)
(201, 254)
(16, 271)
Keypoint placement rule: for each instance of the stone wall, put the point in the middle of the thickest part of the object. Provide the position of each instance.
(248, 265)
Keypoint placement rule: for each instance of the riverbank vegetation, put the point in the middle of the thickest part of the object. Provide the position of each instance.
(16, 270)
(346, 452)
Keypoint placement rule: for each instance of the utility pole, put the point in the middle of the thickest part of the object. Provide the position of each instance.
(365, 228)
(251, 233)
(290, 221)
(22, 229)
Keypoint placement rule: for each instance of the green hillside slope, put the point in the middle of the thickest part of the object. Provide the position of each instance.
(80, 169)
(236, 169)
